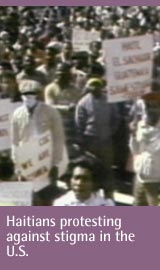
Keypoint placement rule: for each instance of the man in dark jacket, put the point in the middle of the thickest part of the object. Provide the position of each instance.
(96, 122)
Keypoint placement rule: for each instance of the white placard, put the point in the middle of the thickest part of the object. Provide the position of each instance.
(82, 38)
(15, 193)
(6, 109)
(129, 67)
(34, 160)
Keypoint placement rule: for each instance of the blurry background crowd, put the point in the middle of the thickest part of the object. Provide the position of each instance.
(36, 44)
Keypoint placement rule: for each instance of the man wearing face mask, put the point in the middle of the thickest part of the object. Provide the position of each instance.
(33, 119)
(145, 146)
(96, 122)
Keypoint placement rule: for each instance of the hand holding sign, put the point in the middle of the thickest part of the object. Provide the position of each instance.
(34, 160)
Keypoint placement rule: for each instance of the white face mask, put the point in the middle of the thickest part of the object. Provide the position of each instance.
(29, 101)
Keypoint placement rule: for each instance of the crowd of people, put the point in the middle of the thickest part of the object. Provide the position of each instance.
(64, 91)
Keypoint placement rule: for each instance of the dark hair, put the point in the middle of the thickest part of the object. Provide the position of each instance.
(82, 161)
(90, 162)
(96, 69)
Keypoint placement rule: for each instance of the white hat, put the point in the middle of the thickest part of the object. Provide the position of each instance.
(29, 86)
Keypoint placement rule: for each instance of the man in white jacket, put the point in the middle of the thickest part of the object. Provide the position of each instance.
(145, 146)
(32, 120)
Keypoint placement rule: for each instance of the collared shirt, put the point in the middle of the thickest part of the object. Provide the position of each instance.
(44, 118)
(70, 199)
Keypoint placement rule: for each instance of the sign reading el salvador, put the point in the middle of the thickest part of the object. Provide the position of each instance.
(6, 109)
(35, 160)
(82, 38)
(129, 67)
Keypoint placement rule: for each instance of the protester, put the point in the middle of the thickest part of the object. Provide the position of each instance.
(38, 43)
(96, 123)
(145, 146)
(48, 68)
(30, 120)
(63, 94)
(83, 185)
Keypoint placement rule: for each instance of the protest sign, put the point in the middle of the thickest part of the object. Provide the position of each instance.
(6, 110)
(129, 67)
(15, 193)
(82, 38)
(34, 160)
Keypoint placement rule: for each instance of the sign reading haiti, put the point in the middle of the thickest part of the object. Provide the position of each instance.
(34, 160)
(82, 39)
(6, 110)
(129, 67)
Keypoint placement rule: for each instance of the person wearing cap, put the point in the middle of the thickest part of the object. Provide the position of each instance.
(96, 122)
(33, 119)
(83, 173)
(145, 147)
